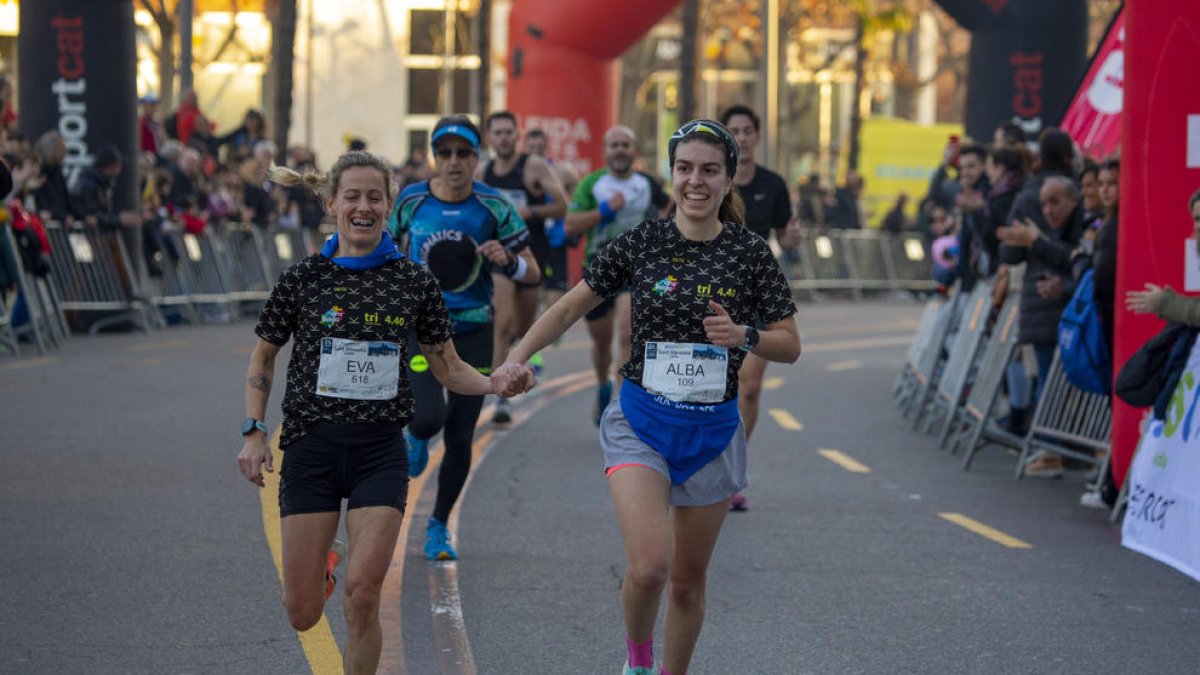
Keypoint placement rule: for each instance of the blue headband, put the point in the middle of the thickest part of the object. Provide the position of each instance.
(462, 132)
(717, 130)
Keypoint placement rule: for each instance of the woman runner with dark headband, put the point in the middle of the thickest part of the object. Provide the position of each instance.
(674, 446)
(347, 399)
(461, 230)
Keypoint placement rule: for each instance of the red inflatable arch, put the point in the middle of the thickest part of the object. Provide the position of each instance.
(561, 69)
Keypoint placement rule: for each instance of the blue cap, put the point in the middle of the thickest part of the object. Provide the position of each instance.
(462, 131)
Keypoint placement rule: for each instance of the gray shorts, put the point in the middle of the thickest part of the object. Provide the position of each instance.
(719, 480)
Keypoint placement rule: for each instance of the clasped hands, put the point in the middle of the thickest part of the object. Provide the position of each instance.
(1022, 233)
(511, 379)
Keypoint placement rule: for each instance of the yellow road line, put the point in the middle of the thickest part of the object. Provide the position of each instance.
(843, 365)
(152, 361)
(843, 460)
(784, 419)
(772, 383)
(157, 346)
(984, 530)
(320, 648)
(31, 363)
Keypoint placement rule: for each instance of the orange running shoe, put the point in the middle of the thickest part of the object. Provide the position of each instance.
(331, 562)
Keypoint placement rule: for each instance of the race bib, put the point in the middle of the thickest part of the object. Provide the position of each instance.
(366, 371)
(518, 197)
(686, 372)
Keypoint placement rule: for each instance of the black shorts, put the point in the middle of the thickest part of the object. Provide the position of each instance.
(554, 270)
(607, 305)
(364, 463)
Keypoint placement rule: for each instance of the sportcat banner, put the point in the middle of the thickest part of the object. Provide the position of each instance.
(77, 70)
(1094, 118)
(1163, 516)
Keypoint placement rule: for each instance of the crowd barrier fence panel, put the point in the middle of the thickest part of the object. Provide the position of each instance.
(38, 325)
(1068, 421)
(244, 263)
(862, 260)
(906, 381)
(972, 327)
(974, 424)
(930, 359)
(91, 271)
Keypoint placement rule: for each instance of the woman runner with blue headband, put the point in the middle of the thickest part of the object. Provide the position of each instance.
(674, 446)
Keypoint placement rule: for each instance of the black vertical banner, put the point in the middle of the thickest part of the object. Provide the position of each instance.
(77, 71)
(1026, 60)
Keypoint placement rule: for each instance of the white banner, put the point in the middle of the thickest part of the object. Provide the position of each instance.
(1163, 516)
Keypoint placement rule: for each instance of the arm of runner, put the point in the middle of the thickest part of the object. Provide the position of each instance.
(520, 266)
(255, 453)
(778, 341)
(462, 378)
(554, 322)
(545, 181)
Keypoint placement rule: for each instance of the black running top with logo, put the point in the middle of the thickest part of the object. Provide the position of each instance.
(317, 299)
(671, 280)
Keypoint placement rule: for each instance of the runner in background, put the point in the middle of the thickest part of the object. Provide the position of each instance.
(768, 209)
(554, 272)
(534, 189)
(608, 203)
(457, 228)
(347, 399)
(674, 444)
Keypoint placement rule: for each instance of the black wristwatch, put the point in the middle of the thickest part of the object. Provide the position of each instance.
(751, 338)
(249, 425)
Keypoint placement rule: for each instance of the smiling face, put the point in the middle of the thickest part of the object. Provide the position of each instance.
(455, 161)
(700, 181)
(360, 204)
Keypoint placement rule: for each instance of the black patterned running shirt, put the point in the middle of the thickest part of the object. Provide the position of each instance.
(317, 299)
(671, 279)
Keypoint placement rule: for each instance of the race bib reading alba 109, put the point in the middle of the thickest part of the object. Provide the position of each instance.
(365, 371)
(685, 372)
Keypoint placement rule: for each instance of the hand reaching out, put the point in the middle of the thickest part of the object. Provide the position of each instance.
(1147, 301)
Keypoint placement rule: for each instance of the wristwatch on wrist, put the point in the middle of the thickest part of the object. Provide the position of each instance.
(249, 425)
(751, 338)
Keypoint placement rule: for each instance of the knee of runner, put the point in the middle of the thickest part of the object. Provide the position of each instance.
(304, 616)
(361, 603)
(649, 575)
(687, 593)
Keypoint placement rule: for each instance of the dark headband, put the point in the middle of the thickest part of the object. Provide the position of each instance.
(717, 130)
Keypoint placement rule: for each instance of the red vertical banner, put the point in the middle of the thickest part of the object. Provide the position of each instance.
(1160, 169)
(1094, 118)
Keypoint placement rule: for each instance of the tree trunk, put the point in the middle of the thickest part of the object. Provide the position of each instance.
(166, 66)
(860, 64)
(689, 58)
(283, 48)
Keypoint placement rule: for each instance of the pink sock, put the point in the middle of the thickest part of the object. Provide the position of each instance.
(641, 654)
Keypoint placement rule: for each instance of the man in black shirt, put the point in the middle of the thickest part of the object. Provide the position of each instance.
(768, 209)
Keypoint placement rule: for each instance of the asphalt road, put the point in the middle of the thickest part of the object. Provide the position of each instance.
(132, 544)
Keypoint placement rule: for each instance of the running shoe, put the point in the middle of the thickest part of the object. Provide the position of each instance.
(437, 541)
(418, 453)
(628, 670)
(501, 415)
(603, 396)
(331, 562)
(738, 503)
(537, 363)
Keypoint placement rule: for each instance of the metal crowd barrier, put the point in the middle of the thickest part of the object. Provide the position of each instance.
(973, 424)
(862, 260)
(959, 368)
(927, 369)
(46, 325)
(1068, 421)
(90, 270)
(906, 382)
